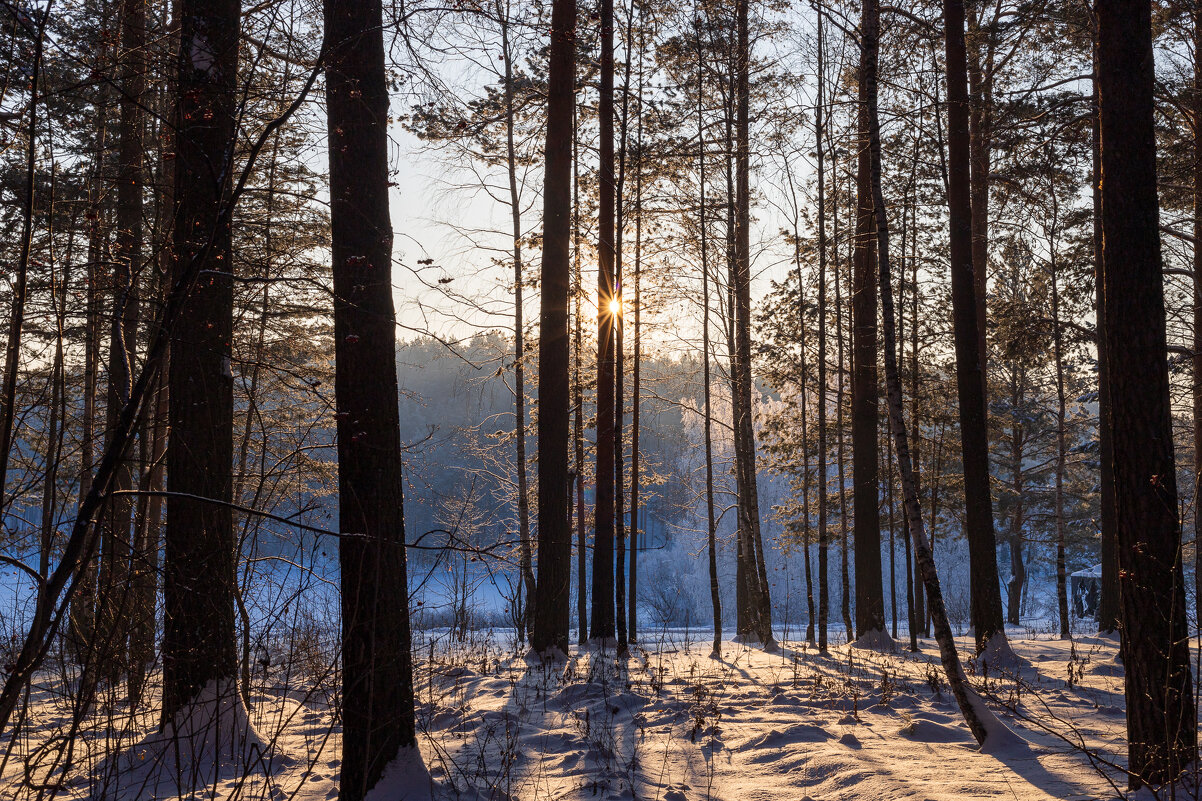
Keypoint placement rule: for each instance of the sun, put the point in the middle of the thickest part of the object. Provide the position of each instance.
(615, 307)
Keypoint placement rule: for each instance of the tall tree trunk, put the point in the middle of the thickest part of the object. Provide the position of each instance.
(1018, 571)
(198, 575)
(1061, 431)
(806, 535)
(1161, 723)
(970, 381)
(979, 62)
(635, 531)
(909, 208)
(551, 608)
(823, 478)
(711, 521)
(892, 552)
(1108, 601)
(377, 668)
(840, 407)
(602, 623)
(116, 547)
(519, 328)
(870, 601)
(920, 613)
(760, 605)
(1197, 360)
(578, 431)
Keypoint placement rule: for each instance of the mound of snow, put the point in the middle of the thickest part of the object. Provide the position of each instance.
(999, 657)
(876, 640)
(210, 741)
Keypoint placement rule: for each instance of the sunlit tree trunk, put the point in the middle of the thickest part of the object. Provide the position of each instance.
(198, 570)
(986, 599)
(1161, 722)
(552, 588)
(602, 623)
(870, 601)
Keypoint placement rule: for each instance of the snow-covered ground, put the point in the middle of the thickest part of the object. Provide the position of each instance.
(669, 723)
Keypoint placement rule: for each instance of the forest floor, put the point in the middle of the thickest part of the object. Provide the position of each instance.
(669, 723)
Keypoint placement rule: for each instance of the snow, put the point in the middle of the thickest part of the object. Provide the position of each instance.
(210, 741)
(875, 640)
(668, 722)
(405, 779)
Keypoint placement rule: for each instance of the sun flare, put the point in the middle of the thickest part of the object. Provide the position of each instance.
(615, 307)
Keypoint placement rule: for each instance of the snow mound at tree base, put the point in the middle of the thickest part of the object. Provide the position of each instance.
(211, 741)
(999, 657)
(404, 779)
(876, 640)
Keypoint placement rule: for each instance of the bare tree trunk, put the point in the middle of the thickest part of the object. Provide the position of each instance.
(805, 425)
(840, 311)
(1018, 570)
(920, 613)
(1197, 360)
(602, 623)
(979, 62)
(377, 667)
(198, 576)
(1108, 601)
(116, 548)
(760, 622)
(554, 528)
(711, 522)
(870, 601)
(1061, 432)
(578, 432)
(892, 553)
(519, 329)
(635, 531)
(986, 594)
(1161, 721)
(578, 291)
(912, 620)
(823, 479)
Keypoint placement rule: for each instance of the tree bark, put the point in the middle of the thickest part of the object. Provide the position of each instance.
(1197, 360)
(198, 575)
(711, 521)
(870, 601)
(116, 547)
(602, 623)
(636, 533)
(377, 668)
(1161, 724)
(1061, 433)
(760, 605)
(823, 478)
(578, 432)
(554, 528)
(519, 331)
(986, 599)
(1108, 601)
